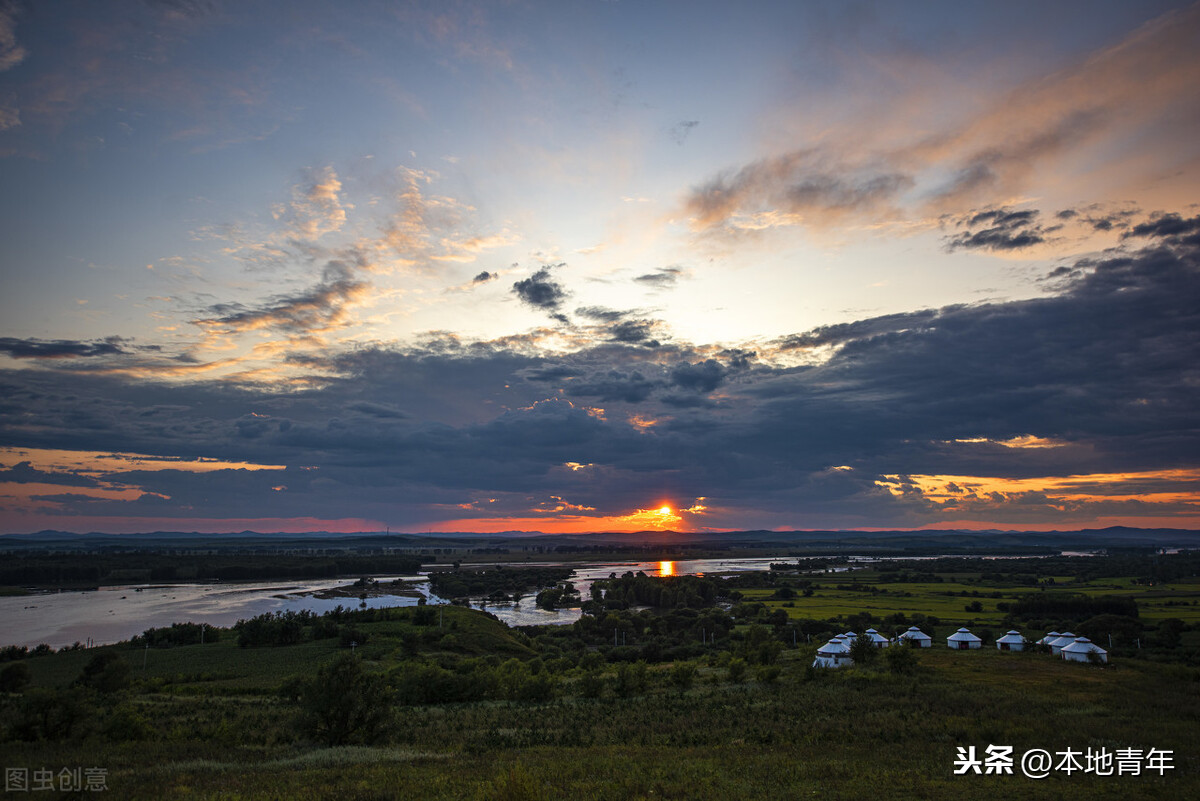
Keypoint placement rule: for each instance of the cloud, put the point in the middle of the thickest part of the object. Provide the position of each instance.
(541, 292)
(1171, 226)
(877, 166)
(601, 313)
(25, 473)
(316, 208)
(11, 52)
(321, 308)
(639, 332)
(427, 229)
(703, 377)
(799, 183)
(59, 348)
(998, 229)
(614, 385)
(484, 277)
(662, 278)
(1104, 370)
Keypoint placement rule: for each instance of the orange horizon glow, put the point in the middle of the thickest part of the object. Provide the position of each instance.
(660, 519)
(30, 522)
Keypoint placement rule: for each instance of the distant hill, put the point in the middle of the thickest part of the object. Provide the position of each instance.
(847, 542)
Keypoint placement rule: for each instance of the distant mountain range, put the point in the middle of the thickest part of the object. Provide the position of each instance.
(922, 541)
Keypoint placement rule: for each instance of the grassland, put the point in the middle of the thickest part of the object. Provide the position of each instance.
(844, 734)
(222, 721)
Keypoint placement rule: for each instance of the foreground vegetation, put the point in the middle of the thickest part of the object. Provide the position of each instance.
(677, 688)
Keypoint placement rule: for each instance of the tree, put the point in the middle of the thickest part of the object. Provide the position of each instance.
(863, 651)
(344, 703)
(106, 673)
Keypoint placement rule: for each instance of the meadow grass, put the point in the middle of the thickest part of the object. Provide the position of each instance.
(842, 734)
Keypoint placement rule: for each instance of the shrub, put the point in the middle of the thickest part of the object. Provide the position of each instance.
(683, 674)
(900, 660)
(45, 714)
(631, 679)
(768, 674)
(15, 678)
(345, 704)
(125, 724)
(106, 673)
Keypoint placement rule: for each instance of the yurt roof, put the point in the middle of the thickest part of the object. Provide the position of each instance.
(1012, 636)
(1065, 639)
(834, 646)
(963, 635)
(915, 633)
(1083, 645)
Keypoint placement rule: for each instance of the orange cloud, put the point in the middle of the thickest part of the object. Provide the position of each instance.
(95, 463)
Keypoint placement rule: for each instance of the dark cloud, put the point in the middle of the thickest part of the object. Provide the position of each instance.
(1171, 226)
(998, 229)
(59, 348)
(635, 332)
(604, 315)
(26, 473)
(542, 292)
(378, 410)
(615, 385)
(553, 373)
(703, 377)
(1099, 218)
(484, 277)
(1105, 369)
(662, 278)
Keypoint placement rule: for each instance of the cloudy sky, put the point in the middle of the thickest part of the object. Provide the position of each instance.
(585, 266)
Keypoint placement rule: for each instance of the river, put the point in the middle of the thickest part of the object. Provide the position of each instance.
(113, 614)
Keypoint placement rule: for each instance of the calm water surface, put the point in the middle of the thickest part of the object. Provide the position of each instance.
(112, 614)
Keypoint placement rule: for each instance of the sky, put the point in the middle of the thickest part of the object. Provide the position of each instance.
(598, 266)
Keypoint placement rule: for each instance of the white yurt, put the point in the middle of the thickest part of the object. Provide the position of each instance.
(1049, 638)
(834, 654)
(877, 638)
(1082, 649)
(916, 638)
(1056, 646)
(1013, 641)
(963, 640)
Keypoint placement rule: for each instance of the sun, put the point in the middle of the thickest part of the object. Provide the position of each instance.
(665, 511)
